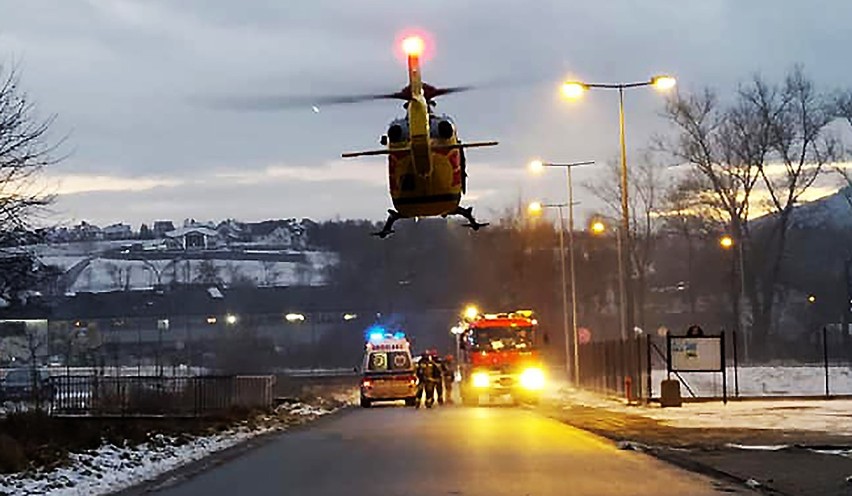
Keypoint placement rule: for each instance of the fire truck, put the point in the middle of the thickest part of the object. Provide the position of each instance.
(499, 356)
(388, 370)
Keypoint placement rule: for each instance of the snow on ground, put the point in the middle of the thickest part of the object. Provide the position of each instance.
(828, 416)
(804, 380)
(112, 468)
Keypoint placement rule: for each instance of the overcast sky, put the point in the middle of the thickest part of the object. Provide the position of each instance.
(122, 75)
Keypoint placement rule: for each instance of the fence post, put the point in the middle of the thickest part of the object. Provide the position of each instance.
(825, 359)
(649, 371)
(736, 364)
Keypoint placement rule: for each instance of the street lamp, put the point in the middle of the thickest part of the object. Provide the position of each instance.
(599, 228)
(573, 90)
(537, 166)
(471, 312)
(727, 242)
(536, 208)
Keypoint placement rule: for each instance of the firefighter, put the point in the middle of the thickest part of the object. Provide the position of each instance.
(428, 376)
(449, 377)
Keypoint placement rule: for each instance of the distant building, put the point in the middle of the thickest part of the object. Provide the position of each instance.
(86, 232)
(195, 238)
(117, 231)
(161, 227)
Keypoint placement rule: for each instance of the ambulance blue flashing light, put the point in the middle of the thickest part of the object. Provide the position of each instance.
(375, 333)
(378, 333)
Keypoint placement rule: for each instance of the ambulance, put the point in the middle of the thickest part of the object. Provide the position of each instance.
(388, 370)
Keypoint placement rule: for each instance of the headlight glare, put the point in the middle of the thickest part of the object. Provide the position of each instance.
(532, 378)
(480, 380)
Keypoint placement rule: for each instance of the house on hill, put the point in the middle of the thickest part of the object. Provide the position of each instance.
(194, 238)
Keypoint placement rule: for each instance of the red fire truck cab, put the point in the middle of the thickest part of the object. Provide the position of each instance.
(499, 356)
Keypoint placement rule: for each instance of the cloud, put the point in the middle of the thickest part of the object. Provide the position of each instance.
(121, 74)
(85, 183)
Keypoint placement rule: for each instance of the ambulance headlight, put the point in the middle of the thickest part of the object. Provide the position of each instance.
(532, 379)
(480, 379)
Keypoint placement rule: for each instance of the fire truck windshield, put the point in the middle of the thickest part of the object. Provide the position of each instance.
(502, 338)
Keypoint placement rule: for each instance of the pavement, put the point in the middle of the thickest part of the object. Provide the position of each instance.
(779, 462)
(451, 450)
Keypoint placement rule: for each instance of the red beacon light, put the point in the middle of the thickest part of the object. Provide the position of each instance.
(413, 46)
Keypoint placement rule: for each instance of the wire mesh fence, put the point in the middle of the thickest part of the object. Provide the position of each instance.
(634, 369)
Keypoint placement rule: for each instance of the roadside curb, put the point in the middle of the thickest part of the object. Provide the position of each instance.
(667, 455)
(193, 469)
(670, 456)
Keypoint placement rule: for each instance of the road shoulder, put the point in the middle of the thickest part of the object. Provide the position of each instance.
(778, 462)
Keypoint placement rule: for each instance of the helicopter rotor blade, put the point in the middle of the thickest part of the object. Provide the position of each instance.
(280, 102)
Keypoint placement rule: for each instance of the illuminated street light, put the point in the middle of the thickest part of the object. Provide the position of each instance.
(471, 312)
(211, 320)
(231, 319)
(572, 90)
(537, 166)
(726, 242)
(535, 208)
(811, 299)
(294, 317)
(350, 316)
(663, 83)
(598, 227)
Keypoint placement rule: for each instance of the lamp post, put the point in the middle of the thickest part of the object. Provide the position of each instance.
(575, 89)
(598, 228)
(538, 166)
(727, 242)
(536, 208)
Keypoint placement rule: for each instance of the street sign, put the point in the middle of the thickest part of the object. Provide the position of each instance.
(695, 354)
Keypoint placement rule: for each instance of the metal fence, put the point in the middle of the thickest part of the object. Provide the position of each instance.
(633, 369)
(158, 395)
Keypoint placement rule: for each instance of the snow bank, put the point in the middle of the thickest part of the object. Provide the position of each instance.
(112, 468)
(827, 416)
(805, 380)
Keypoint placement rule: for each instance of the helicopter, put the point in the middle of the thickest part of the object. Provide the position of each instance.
(427, 173)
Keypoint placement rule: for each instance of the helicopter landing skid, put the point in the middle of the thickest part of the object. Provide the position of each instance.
(387, 229)
(467, 213)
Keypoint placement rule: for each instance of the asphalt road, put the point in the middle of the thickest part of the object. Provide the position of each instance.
(443, 451)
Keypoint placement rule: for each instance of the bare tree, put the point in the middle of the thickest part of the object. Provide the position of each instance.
(686, 215)
(843, 110)
(765, 149)
(24, 152)
(647, 189)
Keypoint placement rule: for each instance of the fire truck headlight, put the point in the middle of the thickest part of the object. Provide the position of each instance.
(532, 379)
(480, 379)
